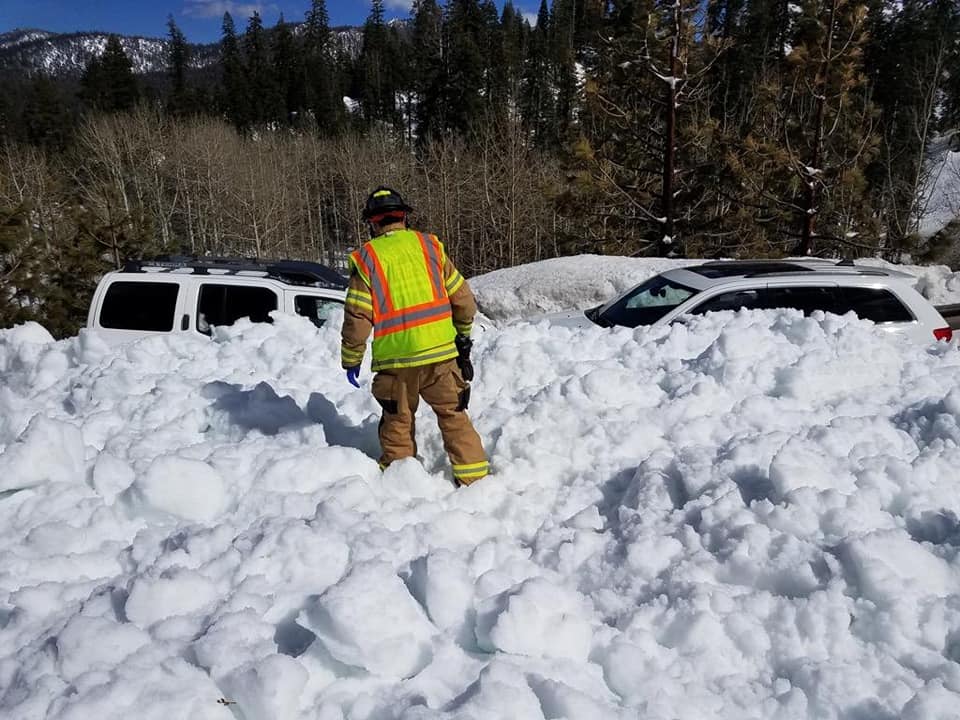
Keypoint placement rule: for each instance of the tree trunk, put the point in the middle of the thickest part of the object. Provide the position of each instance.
(810, 195)
(669, 155)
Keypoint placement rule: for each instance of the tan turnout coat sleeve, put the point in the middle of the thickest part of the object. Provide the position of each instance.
(357, 322)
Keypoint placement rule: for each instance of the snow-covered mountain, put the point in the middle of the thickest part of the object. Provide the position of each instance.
(746, 517)
(66, 54)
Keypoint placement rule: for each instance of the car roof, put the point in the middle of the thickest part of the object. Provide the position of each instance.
(718, 272)
(289, 272)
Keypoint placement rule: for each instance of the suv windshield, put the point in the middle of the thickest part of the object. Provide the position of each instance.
(645, 304)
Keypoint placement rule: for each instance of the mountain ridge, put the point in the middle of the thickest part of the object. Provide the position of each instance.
(39, 51)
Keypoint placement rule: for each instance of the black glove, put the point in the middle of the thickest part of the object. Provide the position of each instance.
(464, 345)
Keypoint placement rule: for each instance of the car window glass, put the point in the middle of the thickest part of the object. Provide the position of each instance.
(876, 304)
(747, 299)
(225, 304)
(318, 309)
(147, 306)
(646, 303)
(664, 295)
(806, 298)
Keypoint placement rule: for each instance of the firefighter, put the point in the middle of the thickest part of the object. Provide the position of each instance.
(404, 288)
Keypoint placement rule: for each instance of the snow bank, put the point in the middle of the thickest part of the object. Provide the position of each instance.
(746, 516)
(562, 283)
(584, 281)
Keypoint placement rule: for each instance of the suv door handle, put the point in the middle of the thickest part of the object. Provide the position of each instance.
(185, 322)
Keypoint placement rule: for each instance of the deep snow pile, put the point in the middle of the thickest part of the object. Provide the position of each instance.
(583, 281)
(567, 283)
(748, 516)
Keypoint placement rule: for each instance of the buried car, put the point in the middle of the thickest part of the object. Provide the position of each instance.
(192, 295)
(886, 297)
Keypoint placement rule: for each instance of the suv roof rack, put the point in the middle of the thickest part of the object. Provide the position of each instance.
(758, 268)
(293, 272)
(746, 268)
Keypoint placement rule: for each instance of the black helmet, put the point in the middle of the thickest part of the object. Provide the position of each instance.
(384, 201)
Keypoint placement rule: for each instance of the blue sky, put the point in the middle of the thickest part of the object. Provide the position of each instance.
(199, 19)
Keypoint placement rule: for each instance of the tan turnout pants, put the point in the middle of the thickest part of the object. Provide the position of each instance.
(441, 385)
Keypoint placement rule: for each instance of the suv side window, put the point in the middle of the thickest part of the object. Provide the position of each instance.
(875, 304)
(318, 309)
(147, 306)
(748, 299)
(225, 304)
(805, 298)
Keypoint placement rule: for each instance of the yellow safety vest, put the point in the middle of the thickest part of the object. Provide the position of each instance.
(412, 319)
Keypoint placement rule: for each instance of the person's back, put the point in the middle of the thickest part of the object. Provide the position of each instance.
(415, 306)
(420, 309)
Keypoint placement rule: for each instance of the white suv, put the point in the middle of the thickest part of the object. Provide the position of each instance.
(886, 297)
(177, 294)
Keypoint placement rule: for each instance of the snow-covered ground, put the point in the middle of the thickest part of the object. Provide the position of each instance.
(747, 516)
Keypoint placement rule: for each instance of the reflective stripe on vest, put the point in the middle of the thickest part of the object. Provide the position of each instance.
(431, 255)
(378, 283)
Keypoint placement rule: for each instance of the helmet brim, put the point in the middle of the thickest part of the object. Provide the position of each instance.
(386, 210)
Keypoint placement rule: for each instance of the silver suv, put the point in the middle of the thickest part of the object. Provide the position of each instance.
(886, 297)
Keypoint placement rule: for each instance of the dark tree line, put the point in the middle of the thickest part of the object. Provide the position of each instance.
(726, 128)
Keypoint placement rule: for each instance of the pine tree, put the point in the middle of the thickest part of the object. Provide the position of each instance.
(235, 90)
(563, 35)
(828, 137)
(323, 82)
(289, 72)
(465, 63)
(108, 83)
(16, 264)
(262, 87)
(46, 116)
(513, 49)
(537, 93)
(428, 70)
(645, 129)
(376, 73)
(496, 80)
(180, 101)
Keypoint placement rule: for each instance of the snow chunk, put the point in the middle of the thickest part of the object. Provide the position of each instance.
(442, 583)
(370, 620)
(29, 333)
(932, 702)
(269, 689)
(111, 476)
(180, 593)
(536, 618)
(48, 451)
(890, 567)
(185, 488)
(91, 644)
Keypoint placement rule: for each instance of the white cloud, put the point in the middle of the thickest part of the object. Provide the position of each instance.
(405, 5)
(216, 8)
(530, 17)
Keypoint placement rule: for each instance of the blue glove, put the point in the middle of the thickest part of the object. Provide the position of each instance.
(352, 375)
